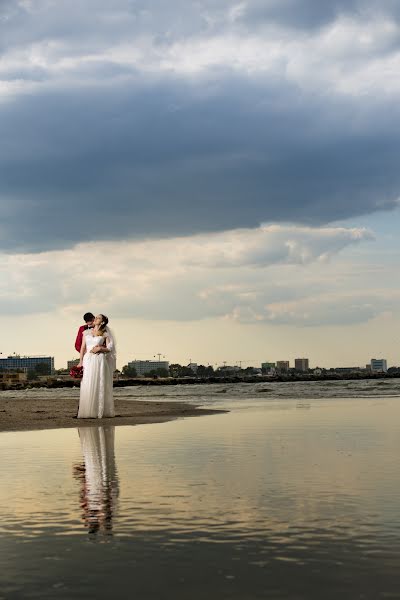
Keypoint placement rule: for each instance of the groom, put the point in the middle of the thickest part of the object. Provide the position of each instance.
(89, 320)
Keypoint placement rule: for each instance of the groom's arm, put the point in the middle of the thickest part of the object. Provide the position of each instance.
(78, 341)
(82, 352)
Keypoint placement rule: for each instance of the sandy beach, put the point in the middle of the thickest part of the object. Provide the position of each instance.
(24, 414)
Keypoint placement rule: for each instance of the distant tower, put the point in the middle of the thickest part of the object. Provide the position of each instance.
(301, 364)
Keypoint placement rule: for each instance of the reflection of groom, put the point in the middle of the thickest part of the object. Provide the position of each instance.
(89, 320)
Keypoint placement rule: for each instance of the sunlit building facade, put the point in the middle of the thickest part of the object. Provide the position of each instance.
(26, 363)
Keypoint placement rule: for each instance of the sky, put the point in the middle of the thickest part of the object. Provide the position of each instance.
(221, 179)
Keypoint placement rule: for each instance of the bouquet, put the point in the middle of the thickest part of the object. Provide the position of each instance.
(76, 372)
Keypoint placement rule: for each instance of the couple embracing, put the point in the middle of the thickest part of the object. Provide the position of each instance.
(96, 346)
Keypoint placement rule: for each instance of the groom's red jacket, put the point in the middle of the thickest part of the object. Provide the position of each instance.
(78, 341)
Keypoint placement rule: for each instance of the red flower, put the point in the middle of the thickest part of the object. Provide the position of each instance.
(76, 372)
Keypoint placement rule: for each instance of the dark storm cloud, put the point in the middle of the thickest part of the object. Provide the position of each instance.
(110, 152)
(308, 14)
(99, 20)
(160, 161)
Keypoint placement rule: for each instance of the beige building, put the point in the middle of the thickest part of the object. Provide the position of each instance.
(15, 377)
(301, 364)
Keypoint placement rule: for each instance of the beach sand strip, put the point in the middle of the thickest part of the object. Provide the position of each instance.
(29, 414)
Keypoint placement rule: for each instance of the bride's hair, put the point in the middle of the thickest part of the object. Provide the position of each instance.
(103, 324)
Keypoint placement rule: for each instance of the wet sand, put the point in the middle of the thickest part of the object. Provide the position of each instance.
(24, 414)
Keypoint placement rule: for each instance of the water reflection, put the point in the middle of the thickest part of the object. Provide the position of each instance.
(98, 478)
(293, 499)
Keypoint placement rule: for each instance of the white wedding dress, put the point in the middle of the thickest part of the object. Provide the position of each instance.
(96, 397)
(100, 486)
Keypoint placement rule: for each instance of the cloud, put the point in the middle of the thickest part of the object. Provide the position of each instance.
(267, 245)
(324, 309)
(136, 120)
(166, 161)
(309, 15)
(277, 274)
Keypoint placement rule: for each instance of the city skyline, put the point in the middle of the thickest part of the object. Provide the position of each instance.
(300, 364)
(218, 178)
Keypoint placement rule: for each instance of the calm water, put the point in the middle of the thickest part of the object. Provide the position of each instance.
(293, 494)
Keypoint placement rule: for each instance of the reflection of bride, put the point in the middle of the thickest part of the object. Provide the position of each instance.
(98, 477)
(98, 357)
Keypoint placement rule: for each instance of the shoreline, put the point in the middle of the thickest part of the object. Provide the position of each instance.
(37, 414)
(53, 383)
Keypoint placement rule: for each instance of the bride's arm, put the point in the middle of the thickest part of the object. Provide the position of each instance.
(103, 348)
(83, 351)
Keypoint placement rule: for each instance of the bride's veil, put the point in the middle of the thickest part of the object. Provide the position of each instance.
(112, 346)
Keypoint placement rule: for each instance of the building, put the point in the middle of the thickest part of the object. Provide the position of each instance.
(193, 366)
(72, 363)
(229, 369)
(268, 368)
(143, 367)
(344, 370)
(12, 377)
(268, 365)
(378, 365)
(282, 365)
(301, 364)
(28, 363)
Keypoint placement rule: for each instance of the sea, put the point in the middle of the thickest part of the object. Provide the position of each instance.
(292, 493)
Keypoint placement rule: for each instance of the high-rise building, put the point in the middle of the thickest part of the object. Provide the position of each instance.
(143, 367)
(282, 365)
(378, 365)
(28, 363)
(301, 364)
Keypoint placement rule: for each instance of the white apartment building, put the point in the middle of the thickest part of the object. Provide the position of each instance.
(378, 365)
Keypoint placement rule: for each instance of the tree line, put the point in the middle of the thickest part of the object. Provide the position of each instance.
(177, 370)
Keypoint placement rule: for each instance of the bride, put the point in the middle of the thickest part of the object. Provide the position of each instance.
(97, 357)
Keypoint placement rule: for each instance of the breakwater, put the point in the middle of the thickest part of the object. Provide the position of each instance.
(55, 383)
